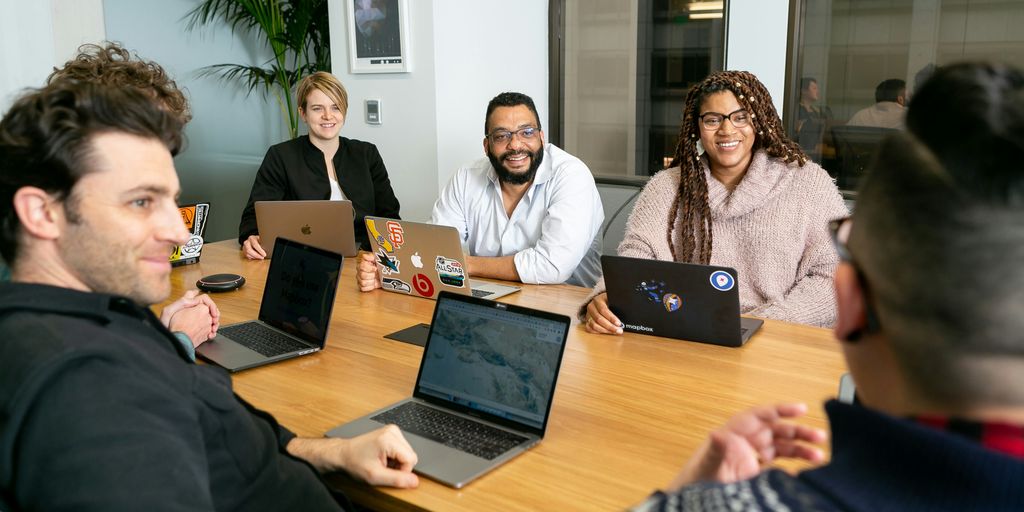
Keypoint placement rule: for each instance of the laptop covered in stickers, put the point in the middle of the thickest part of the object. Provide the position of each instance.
(677, 300)
(423, 260)
(195, 217)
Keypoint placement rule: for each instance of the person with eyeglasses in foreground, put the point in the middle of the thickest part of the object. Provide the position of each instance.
(930, 295)
(739, 193)
(101, 407)
(528, 212)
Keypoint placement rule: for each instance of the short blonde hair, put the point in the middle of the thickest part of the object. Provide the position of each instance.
(326, 83)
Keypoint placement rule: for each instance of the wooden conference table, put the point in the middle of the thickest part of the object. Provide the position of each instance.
(628, 411)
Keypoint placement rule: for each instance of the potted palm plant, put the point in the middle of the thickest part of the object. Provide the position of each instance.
(295, 30)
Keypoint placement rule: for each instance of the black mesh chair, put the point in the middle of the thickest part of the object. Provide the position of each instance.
(855, 150)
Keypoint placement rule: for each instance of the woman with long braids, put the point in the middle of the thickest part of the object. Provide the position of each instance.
(738, 193)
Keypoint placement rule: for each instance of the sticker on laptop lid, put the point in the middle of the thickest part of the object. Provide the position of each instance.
(450, 272)
(722, 280)
(395, 232)
(388, 263)
(672, 302)
(423, 285)
(398, 285)
(652, 290)
(382, 240)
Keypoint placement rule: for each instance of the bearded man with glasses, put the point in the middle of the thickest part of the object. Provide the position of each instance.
(529, 212)
(931, 322)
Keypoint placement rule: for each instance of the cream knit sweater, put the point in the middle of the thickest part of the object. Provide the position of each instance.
(773, 229)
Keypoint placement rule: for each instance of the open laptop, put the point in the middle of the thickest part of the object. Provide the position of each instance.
(677, 300)
(324, 224)
(484, 390)
(298, 298)
(423, 259)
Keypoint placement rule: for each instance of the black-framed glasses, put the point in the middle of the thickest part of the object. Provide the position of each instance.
(714, 120)
(501, 137)
(840, 229)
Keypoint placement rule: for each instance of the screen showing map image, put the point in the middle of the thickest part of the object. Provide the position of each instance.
(493, 360)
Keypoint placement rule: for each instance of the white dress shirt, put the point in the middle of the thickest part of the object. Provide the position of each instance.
(553, 231)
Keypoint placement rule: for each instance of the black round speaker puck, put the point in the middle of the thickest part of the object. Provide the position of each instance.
(220, 282)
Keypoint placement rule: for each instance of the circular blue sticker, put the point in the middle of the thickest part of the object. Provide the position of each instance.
(722, 281)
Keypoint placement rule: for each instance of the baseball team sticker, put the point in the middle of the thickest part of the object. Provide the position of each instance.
(423, 285)
(388, 263)
(395, 233)
(450, 272)
(398, 285)
(382, 240)
(722, 280)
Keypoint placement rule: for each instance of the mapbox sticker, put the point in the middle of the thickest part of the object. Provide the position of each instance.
(398, 285)
(388, 263)
(423, 285)
(722, 281)
(450, 272)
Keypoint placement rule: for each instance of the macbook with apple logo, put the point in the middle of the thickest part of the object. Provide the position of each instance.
(324, 224)
(423, 260)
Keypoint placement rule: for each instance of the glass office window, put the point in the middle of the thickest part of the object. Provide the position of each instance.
(855, 63)
(624, 69)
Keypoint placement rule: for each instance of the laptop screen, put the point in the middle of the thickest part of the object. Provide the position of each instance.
(300, 289)
(493, 358)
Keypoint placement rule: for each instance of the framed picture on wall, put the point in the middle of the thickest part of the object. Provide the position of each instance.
(378, 36)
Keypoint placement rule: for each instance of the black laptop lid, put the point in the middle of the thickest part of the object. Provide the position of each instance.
(299, 294)
(676, 300)
(493, 360)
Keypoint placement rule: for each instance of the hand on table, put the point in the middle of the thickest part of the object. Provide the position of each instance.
(737, 450)
(252, 248)
(600, 319)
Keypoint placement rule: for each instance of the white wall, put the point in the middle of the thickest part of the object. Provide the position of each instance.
(463, 54)
(37, 36)
(757, 32)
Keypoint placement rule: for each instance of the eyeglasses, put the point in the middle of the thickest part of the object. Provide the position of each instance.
(713, 120)
(501, 137)
(840, 229)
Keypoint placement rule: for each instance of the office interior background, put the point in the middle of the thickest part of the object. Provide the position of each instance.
(608, 76)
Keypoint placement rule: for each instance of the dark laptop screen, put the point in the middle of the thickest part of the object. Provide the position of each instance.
(300, 289)
(493, 360)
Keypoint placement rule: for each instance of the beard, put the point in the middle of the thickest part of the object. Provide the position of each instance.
(513, 178)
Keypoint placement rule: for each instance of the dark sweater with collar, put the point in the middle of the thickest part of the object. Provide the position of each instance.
(100, 409)
(879, 463)
(295, 170)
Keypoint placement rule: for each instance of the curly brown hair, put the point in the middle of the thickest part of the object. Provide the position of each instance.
(112, 64)
(691, 202)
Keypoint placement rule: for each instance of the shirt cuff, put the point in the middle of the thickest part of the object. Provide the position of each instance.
(186, 343)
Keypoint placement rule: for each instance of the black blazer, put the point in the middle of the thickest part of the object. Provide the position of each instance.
(295, 170)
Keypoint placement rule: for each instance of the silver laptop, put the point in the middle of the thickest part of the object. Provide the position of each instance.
(484, 390)
(294, 314)
(324, 224)
(424, 259)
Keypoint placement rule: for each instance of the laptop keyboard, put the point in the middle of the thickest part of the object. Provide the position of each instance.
(262, 339)
(451, 430)
(479, 293)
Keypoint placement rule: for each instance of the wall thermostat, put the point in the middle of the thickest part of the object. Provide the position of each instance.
(373, 112)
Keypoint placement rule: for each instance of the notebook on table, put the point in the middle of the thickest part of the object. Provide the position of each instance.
(424, 259)
(484, 390)
(298, 299)
(324, 224)
(677, 300)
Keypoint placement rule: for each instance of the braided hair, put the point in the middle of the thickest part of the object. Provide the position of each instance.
(691, 202)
